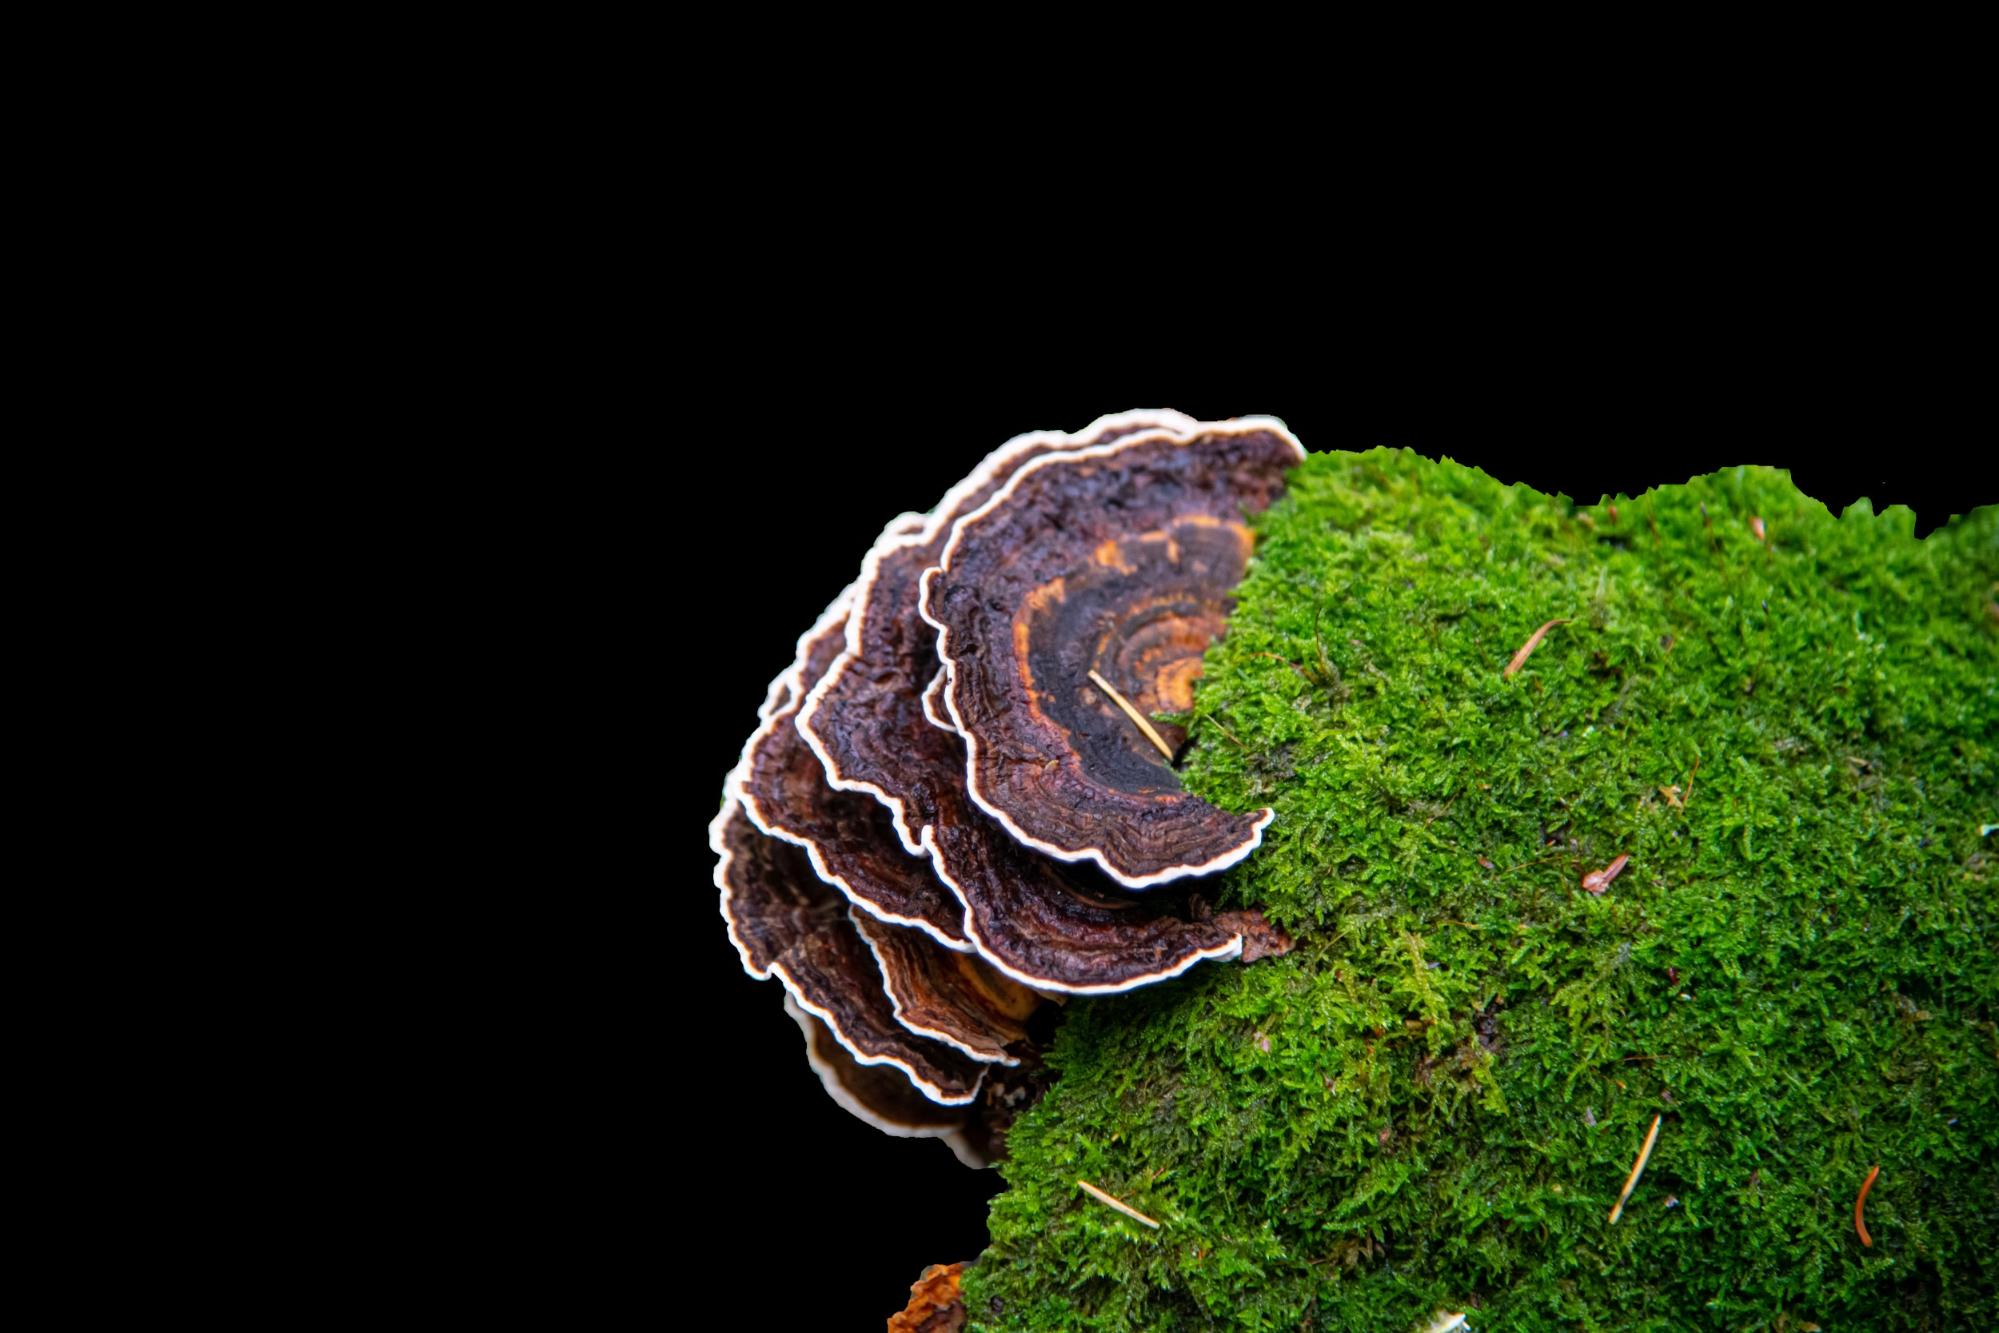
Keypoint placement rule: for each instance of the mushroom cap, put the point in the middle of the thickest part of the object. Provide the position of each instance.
(865, 719)
(1058, 927)
(786, 923)
(770, 897)
(848, 837)
(908, 918)
(950, 997)
(1119, 560)
(881, 1097)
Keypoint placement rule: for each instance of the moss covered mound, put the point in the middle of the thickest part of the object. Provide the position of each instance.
(1433, 1102)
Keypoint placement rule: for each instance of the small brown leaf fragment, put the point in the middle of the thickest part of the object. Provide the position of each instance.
(935, 1303)
(1596, 881)
(1672, 795)
(1527, 648)
(1260, 939)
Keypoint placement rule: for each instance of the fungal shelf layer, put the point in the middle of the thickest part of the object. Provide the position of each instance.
(958, 805)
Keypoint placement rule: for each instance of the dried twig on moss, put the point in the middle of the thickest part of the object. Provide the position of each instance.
(1527, 648)
(1637, 1169)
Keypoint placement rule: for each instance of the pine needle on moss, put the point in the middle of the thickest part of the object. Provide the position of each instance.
(1527, 648)
(1637, 1170)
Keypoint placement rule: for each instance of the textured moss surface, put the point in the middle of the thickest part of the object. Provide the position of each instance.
(1433, 1102)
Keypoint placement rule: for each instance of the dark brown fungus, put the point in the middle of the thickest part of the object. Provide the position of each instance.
(950, 997)
(882, 1097)
(786, 923)
(1116, 560)
(865, 719)
(848, 837)
(1059, 927)
(770, 897)
(1007, 1094)
(856, 778)
(831, 975)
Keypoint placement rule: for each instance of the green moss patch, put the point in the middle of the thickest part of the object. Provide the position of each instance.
(1432, 1103)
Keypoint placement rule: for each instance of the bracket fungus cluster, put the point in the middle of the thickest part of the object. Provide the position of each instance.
(957, 804)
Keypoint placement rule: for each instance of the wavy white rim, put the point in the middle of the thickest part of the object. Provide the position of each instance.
(1239, 426)
(736, 789)
(895, 538)
(784, 688)
(792, 988)
(723, 859)
(921, 1084)
(983, 1057)
(789, 686)
(933, 694)
(829, 1079)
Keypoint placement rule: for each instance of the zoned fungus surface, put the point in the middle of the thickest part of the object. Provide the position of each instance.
(1103, 567)
(1433, 1101)
(880, 1096)
(1062, 927)
(950, 997)
(854, 781)
(788, 924)
(866, 718)
(848, 836)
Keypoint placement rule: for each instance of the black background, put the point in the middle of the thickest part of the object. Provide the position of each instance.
(841, 428)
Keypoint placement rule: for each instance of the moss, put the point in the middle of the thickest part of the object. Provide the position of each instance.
(1433, 1102)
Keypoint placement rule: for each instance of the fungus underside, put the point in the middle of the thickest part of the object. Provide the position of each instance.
(1433, 1100)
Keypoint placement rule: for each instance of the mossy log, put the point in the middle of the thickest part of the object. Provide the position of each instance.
(1787, 721)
